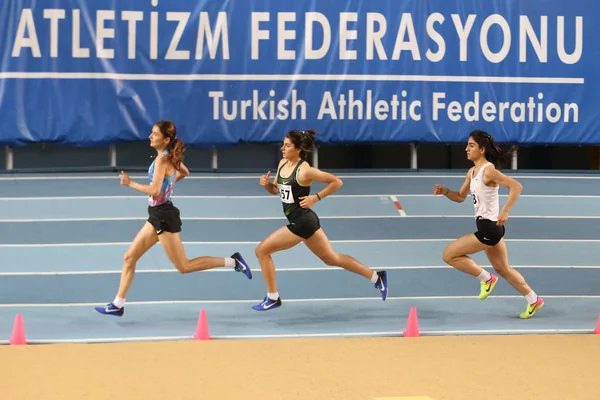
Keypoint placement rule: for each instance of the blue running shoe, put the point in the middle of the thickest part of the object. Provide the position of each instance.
(267, 304)
(382, 284)
(241, 265)
(111, 309)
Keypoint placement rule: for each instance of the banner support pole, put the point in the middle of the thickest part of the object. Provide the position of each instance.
(413, 156)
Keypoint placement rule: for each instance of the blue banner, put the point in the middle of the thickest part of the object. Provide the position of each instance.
(96, 72)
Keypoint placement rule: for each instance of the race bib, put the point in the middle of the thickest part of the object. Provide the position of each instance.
(475, 202)
(285, 192)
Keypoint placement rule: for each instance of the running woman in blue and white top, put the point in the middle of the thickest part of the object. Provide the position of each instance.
(164, 223)
(482, 184)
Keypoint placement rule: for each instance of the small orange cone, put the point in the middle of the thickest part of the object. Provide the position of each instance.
(412, 325)
(597, 330)
(202, 332)
(18, 334)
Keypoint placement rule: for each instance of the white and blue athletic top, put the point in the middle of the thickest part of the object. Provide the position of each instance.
(166, 189)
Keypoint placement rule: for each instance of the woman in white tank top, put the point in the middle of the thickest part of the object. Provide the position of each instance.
(482, 183)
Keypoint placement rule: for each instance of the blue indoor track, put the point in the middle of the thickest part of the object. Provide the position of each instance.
(63, 238)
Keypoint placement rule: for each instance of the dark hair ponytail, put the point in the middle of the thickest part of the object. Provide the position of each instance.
(176, 150)
(493, 152)
(303, 140)
(176, 146)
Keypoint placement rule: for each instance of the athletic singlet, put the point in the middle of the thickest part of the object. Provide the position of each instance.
(290, 190)
(485, 198)
(166, 190)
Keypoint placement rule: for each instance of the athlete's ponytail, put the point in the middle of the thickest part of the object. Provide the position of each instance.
(176, 147)
(303, 140)
(175, 156)
(493, 153)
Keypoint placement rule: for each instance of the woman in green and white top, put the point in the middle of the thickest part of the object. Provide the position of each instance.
(292, 183)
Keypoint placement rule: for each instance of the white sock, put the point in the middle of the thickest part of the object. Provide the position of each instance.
(229, 262)
(484, 276)
(273, 296)
(119, 302)
(531, 297)
(375, 277)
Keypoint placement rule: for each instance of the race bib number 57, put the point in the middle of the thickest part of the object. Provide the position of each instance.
(285, 192)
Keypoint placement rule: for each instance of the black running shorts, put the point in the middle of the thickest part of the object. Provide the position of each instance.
(488, 232)
(303, 222)
(164, 218)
